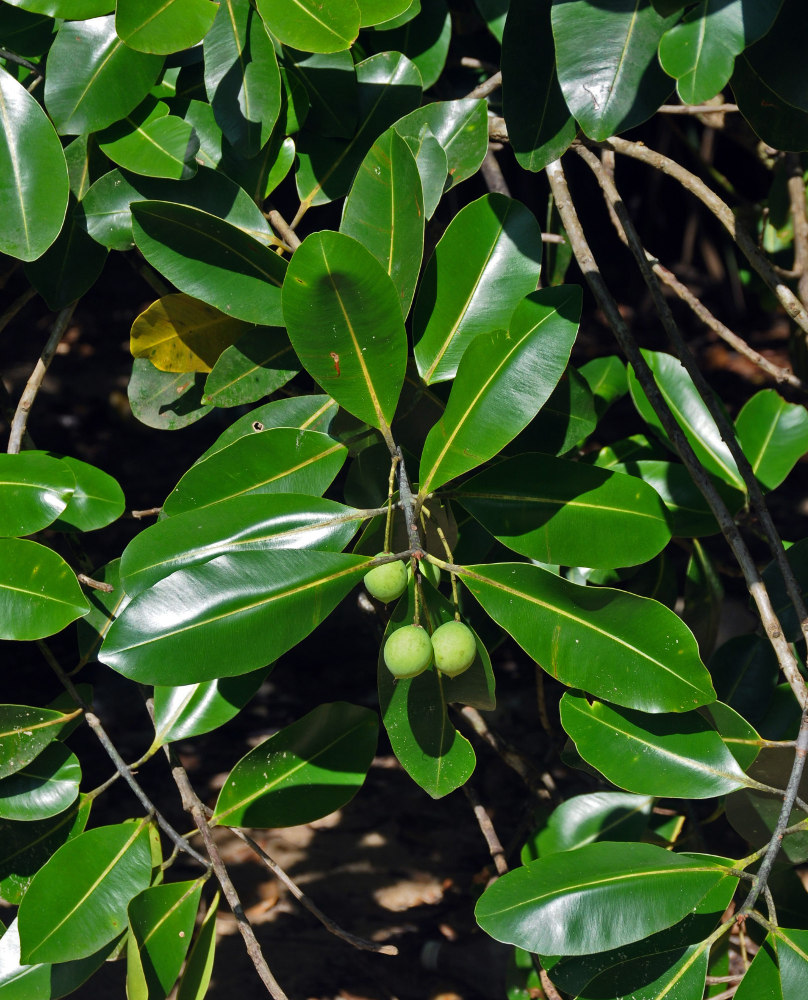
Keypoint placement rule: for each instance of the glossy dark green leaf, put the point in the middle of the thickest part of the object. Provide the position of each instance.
(567, 513)
(166, 400)
(461, 127)
(703, 599)
(242, 79)
(108, 219)
(388, 86)
(196, 975)
(629, 649)
(180, 631)
(689, 514)
(163, 27)
(302, 773)
(540, 126)
(39, 592)
(344, 319)
(585, 819)
(70, 266)
(88, 882)
(676, 756)
(75, 10)
(415, 714)
(762, 978)
(675, 975)
(410, 11)
(274, 521)
(153, 142)
(306, 412)
(34, 183)
(25, 731)
(773, 435)
(181, 713)
(329, 80)
(597, 897)
(607, 381)
(503, 380)
(691, 414)
(25, 33)
(34, 490)
(377, 11)
(781, 602)
(93, 78)
(161, 922)
(312, 25)
(741, 739)
(26, 846)
(744, 671)
(607, 62)
(488, 259)
(211, 259)
(699, 51)
(772, 118)
(384, 211)
(432, 167)
(42, 789)
(566, 419)
(85, 164)
(96, 501)
(424, 39)
(261, 361)
(769, 61)
(279, 460)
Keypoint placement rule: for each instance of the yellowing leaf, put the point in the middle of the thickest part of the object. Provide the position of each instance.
(178, 333)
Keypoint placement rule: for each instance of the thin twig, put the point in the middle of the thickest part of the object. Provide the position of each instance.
(88, 581)
(14, 58)
(363, 944)
(495, 848)
(18, 424)
(149, 512)
(408, 505)
(796, 197)
(281, 226)
(487, 86)
(697, 109)
(192, 805)
(493, 176)
(552, 238)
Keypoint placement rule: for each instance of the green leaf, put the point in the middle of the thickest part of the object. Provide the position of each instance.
(39, 592)
(594, 898)
(566, 419)
(585, 819)
(25, 731)
(773, 57)
(161, 921)
(104, 608)
(691, 414)
(34, 184)
(259, 522)
(195, 978)
(487, 260)
(567, 513)
(744, 672)
(166, 400)
(26, 34)
(673, 975)
(415, 714)
(180, 631)
(461, 127)
(329, 79)
(42, 789)
(781, 602)
(211, 259)
(432, 166)
(96, 501)
(313, 25)
(607, 62)
(108, 219)
(700, 50)
(35, 489)
(773, 435)
(304, 772)
(279, 460)
(86, 885)
(26, 846)
(676, 756)
(181, 713)
(777, 122)
(607, 380)
(344, 319)
(163, 26)
(703, 599)
(503, 380)
(74, 10)
(615, 645)
(153, 142)
(384, 211)
(94, 79)
(494, 12)
(376, 11)
(740, 738)
(388, 86)
(242, 79)
(255, 366)
(424, 39)
(762, 978)
(540, 127)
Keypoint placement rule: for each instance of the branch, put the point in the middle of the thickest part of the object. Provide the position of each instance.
(697, 109)
(281, 226)
(487, 86)
(495, 848)
(408, 506)
(31, 389)
(796, 196)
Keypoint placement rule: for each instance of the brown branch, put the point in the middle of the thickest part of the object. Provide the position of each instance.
(18, 424)
(796, 197)
(493, 176)
(697, 109)
(363, 944)
(88, 581)
(487, 86)
(281, 227)
(495, 848)
(149, 512)
(540, 784)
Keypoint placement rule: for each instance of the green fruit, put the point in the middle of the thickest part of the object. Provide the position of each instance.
(388, 582)
(408, 651)
(455, 648)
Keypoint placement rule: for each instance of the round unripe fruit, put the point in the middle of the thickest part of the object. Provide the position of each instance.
(388, 582)
(454, 647)
(408, 651)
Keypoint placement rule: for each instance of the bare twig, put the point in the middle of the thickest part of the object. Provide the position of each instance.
(31, 389)
(149, 512)
(281, 226)
(493, 176)
(552, 238)
(14, 58)
(495, 848)
(363, 944)
(408, 505)
(487, 86)
(796, 197)
(195, 808)
(697, 109)
(88, 581)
